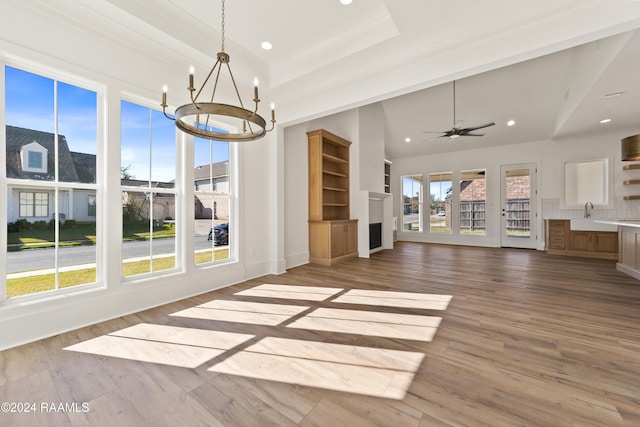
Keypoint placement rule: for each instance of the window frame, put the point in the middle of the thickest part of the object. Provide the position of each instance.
(33, 204)
(53, 187)
(420, 202)
(151, 192)
(445, 232)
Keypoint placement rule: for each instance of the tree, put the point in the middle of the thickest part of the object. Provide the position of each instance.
(125, 174)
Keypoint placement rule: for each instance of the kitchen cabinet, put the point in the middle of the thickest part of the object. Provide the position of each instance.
(629, 261)
(561, 240)
(594, 244)
(557, 232)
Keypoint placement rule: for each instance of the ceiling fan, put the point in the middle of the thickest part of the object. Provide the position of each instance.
(457, 130)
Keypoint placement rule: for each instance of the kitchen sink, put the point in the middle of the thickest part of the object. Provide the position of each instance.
(586, 224)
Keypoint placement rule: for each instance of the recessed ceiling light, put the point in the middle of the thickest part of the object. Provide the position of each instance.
(605, 120)
(345, 1)
(511, 122)
(266, 45)
(407, 139)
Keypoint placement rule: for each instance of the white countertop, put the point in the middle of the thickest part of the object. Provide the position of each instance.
(622, 222)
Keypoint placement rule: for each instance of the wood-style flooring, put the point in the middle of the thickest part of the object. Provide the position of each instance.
(422, 335)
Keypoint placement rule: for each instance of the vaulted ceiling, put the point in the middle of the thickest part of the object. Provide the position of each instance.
(547, 64)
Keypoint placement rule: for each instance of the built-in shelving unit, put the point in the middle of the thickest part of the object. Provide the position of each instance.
(631, 181)
(387, 176)
(332, 234)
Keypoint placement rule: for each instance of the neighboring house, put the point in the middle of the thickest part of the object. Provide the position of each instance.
(30, 156)
(473, 203)
(136, 203)
(213, 178)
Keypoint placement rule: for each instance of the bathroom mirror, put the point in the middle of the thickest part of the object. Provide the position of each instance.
(586, 181)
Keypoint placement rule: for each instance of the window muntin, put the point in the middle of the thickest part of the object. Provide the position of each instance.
(51, 134)
(213, 237)
(412, 203)
(149, 198)
(473, 191)
(440, 189)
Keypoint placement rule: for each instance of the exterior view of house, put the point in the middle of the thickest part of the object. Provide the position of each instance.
(31, 157)
(211, 191)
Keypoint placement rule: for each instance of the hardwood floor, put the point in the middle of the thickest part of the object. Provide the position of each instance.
(424, 335)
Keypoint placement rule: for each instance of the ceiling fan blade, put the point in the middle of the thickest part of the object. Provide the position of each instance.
(470, 129)
(472, 134)
(435, 137)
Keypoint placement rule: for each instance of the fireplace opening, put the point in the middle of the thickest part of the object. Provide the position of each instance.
(375, 235)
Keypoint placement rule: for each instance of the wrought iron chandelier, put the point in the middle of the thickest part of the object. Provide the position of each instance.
(198, 118)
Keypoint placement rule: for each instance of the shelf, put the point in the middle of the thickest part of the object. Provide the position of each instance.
(328, 172)
(633, 166)
(335, 159)
(631, 181)
(334, 189)
(631, 197)
(336, 204)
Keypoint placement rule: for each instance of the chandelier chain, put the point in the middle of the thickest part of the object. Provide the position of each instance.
(223, 25)
(198, 118)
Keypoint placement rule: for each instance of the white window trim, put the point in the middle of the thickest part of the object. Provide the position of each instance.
(33, 147)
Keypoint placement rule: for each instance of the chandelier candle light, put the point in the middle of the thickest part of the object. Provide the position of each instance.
(198, 118)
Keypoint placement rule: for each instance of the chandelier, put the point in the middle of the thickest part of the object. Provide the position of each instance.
(198, 117)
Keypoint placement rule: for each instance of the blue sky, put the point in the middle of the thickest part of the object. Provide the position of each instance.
(30, 104)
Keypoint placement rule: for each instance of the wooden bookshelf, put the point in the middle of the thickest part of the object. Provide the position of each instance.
(332, 234)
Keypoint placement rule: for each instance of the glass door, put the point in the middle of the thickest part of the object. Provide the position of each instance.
(518, 220)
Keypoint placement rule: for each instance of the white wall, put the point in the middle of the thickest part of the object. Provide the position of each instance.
(372, 148)
(72, 49)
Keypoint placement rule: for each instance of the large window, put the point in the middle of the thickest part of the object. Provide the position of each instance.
(213, 225)
(51, 148)
(440, 188)
(473, 200)
(411, 203)
(149, 198)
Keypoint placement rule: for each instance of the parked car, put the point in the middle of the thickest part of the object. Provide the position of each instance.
(442, 213)
(220, 234)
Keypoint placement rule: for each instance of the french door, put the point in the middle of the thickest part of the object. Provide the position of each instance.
(518, 211)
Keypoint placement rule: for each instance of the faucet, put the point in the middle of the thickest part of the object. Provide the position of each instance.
(587, 209)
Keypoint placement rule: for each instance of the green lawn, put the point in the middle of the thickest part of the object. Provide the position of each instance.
(81, 234)
(46, 282)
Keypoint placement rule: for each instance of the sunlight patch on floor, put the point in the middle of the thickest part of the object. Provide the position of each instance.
(168, 345)
(395, 299)
(308, 293)
(363, 370)
(256, 313)
(371, 323)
